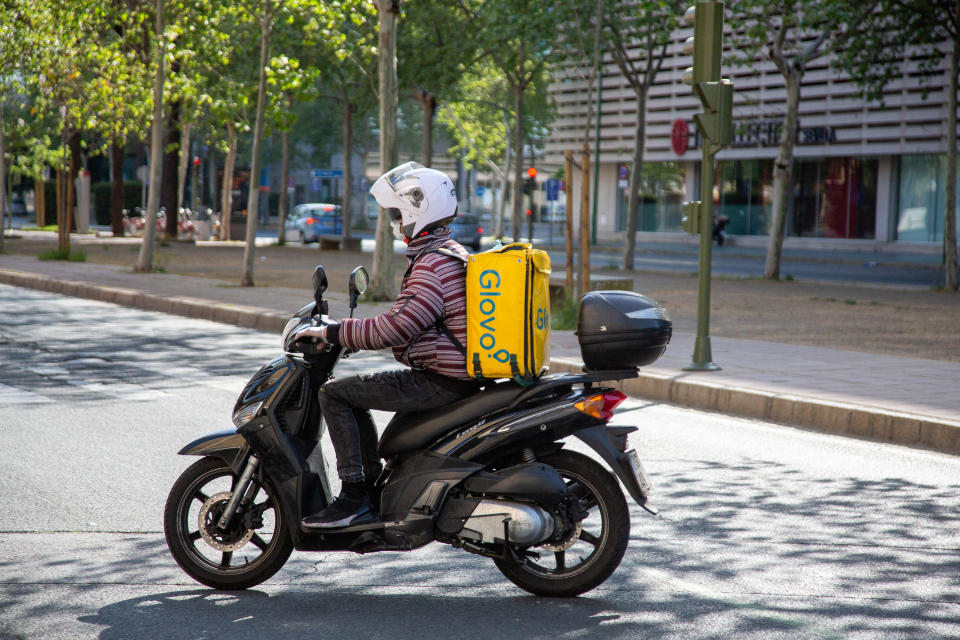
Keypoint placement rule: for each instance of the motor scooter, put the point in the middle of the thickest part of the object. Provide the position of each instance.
(719, 229)
(489, 474)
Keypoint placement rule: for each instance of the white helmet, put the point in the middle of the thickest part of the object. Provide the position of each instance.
(425, 197)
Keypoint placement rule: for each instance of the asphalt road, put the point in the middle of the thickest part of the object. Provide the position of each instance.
(765, 531)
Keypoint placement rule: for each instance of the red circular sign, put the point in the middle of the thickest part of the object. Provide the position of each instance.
(679, 136)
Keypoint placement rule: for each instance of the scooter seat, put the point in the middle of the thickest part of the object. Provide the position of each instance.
(409, 431)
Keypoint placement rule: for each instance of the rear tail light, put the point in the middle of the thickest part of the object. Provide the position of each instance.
(479, 229)
(601, 405)
(309, 221)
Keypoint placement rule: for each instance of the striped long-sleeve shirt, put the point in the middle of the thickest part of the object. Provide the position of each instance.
(434, 291)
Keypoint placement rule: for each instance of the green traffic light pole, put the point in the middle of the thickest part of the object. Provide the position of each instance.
(713, 126)
(702, 353)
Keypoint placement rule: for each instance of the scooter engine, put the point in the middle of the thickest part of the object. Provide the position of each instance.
(513, 505)
(494, 520)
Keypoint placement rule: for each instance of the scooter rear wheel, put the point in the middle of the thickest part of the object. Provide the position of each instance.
(594, 550)
(255, 546)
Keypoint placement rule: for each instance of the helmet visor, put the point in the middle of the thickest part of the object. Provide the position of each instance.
(398, 174)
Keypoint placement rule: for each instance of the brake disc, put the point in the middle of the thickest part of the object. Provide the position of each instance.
(565, 544)
(207, 522)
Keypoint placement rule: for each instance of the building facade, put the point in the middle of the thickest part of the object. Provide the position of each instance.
(867, 174)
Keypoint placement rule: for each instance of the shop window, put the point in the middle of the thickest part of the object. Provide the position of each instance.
(922, 198)
(835, 198)
(658, 207)
(745, 190)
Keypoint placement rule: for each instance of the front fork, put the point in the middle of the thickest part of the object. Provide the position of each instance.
(240, 490)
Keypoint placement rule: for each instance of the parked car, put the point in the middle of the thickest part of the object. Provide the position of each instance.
(466, 230)
(314, 219)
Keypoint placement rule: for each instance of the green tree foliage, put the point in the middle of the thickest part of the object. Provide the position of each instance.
(347, 58)
(636, 35)
(481, 122)
(432, 57)
(519, 38)
(791, 34)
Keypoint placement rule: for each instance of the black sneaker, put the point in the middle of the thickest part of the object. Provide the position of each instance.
(351, 507)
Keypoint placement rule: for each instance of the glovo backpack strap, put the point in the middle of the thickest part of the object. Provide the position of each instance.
(517, 376)
(440, 324)
(477, 369)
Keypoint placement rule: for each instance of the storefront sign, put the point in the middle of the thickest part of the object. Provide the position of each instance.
(766, 133)
(680, 136)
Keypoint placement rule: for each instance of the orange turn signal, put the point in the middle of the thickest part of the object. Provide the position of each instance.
(601, 405)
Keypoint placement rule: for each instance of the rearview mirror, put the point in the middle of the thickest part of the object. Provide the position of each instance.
(319, 286)
(359, 280)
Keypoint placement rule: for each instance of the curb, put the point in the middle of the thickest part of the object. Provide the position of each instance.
(828, 417)
(238, 315)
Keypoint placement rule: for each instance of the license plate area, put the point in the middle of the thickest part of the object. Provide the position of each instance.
(633, 458)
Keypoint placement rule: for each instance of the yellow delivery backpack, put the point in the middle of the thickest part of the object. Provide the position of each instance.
(508, 313)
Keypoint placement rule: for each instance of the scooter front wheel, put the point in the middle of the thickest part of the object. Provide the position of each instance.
(594, 548)
(253, 548)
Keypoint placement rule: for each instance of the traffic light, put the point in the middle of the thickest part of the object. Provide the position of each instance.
(691, 216)
(530, 182)
(716, 124)
(706, 43)
(716, 94)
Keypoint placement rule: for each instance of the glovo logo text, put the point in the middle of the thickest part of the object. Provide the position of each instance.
(543, 319)
(489, 292)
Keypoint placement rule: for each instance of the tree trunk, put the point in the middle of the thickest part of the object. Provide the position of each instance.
(60, 217)
(428, 102)
(40, 200)
(518, 160)
(584, 222)
(75, 151)
(950, 214)
(782, 176)
(3, 180)
(381, 284)
(211, 182)
(253, 200)
(500, 206)
(145, 259)
(568, 218)
(504, 180)
(227, 184)
(171, 169)
(636, 174)
(284, 203)
(184, 162)
(116, 188)
(347, 205)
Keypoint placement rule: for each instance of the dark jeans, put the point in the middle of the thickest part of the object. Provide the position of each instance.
(346, 404)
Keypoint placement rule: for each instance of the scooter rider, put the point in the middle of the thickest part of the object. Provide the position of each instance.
(430, 309)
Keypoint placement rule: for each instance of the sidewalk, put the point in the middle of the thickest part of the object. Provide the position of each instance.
(892, 399)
